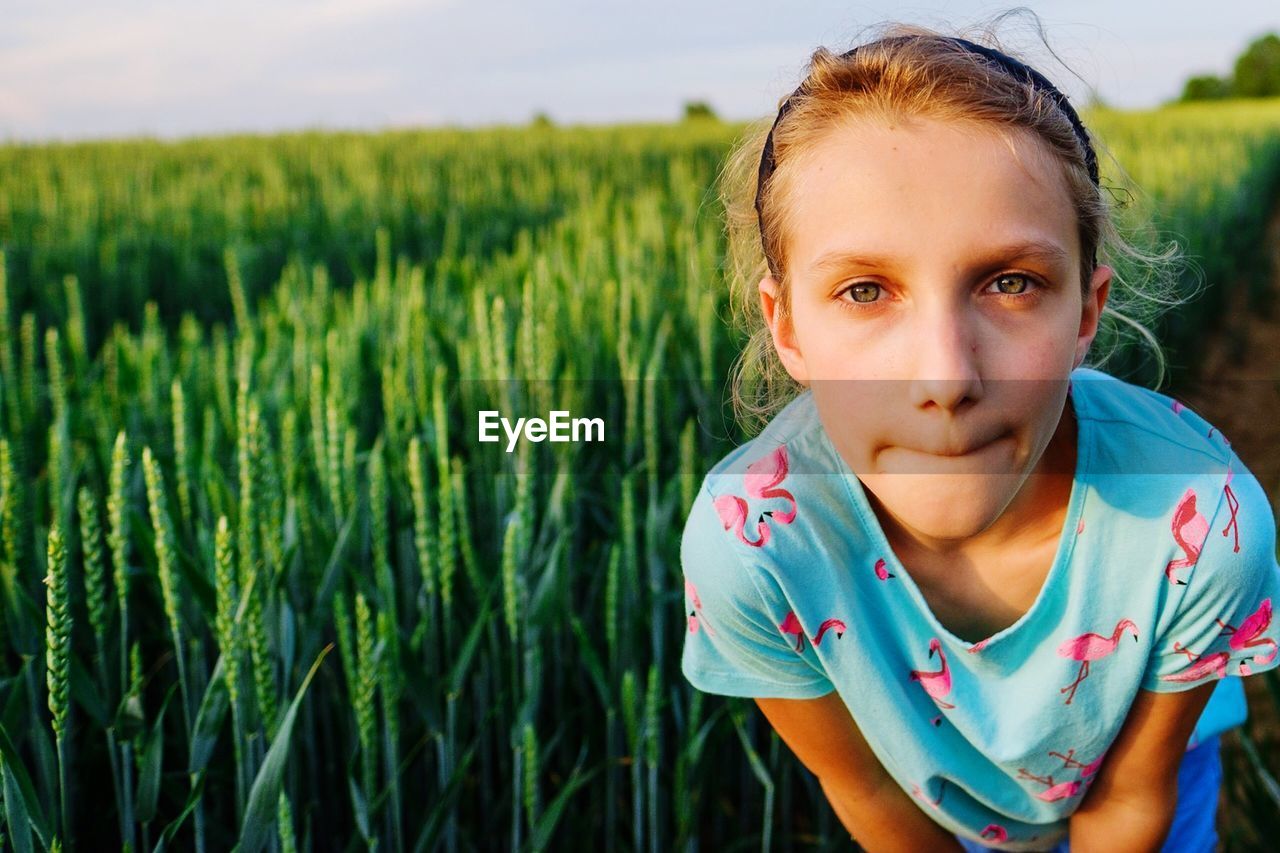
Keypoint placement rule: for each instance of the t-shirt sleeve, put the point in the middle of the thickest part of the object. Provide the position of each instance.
(1223, 621)
(733, 642)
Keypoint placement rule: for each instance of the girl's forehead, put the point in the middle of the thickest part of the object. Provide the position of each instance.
(881, 142)
(897, 183)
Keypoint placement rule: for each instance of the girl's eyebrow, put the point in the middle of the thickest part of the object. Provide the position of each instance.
(1042, 250)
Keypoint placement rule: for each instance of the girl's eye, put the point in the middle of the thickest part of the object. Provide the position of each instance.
(1013, 276)
(861, 292)
(1025, 288)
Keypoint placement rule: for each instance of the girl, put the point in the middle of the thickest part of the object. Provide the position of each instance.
(992, 597)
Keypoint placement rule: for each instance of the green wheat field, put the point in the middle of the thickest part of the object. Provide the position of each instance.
(239, 382)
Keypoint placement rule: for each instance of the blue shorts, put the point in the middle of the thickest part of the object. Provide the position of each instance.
(1194, 822)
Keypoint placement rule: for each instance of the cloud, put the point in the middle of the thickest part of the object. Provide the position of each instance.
(142, 57)
(74, 68)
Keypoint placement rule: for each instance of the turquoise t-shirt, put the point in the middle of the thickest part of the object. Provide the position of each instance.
(1164, 578)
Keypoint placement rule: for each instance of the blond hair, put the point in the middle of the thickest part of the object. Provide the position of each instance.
(926, 76)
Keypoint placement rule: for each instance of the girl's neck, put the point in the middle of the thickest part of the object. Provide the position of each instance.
(1033, 519)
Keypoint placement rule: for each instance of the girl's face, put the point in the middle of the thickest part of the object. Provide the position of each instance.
(936, 313)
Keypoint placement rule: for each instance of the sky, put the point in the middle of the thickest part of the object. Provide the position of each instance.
(76, 69)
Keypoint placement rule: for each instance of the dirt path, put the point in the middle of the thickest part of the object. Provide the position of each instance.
(1238, 389)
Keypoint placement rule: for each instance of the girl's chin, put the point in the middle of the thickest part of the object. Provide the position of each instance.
(943, 506)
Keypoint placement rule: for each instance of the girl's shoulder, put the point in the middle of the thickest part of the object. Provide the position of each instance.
(1154, 465)
(749, 516)
(1142, 431)
(754, 492)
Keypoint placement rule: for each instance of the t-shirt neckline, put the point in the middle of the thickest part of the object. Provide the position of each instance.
(1066, 540)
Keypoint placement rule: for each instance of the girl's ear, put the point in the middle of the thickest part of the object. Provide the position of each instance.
(782, 330)
(1091, 311)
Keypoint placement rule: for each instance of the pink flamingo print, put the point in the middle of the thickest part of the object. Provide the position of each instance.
(733, 514)
(1061, 791)
(978, 646)
(697, 610)
(1247, 635)
(1080, 527)
(834, 624)
(1234, 505)
(882, 570)
(1054, 791)
(1090, 647)
(994, 832)
(791, 625)
(1177, 406)
(1189, 530)
(1214, 664)
(936, 684)
(764, 474)
(760, 481)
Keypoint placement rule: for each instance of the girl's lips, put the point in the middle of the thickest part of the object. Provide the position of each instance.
(971, 451)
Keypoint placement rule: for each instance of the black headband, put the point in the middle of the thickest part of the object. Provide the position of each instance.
(1018, 69)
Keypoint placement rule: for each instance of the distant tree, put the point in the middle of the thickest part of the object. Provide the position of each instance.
(541, 119)
(1257, 73)
(695, 110)
(1206, 87)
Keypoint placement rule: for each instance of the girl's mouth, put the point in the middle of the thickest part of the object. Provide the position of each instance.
(953, 453)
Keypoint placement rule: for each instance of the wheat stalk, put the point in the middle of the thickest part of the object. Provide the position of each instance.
(180, 451)
(57, 641)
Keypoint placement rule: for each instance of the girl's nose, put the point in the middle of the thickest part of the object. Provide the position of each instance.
(945, 358)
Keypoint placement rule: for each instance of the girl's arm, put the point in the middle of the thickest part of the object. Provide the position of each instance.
(889, 821)
(875, 810)
(1130, 805)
